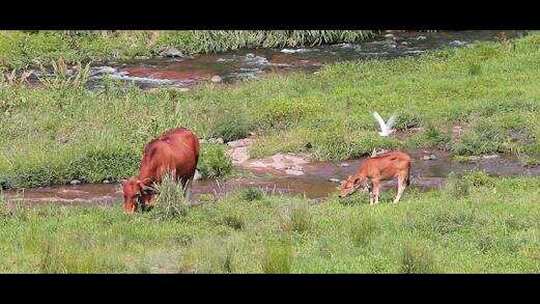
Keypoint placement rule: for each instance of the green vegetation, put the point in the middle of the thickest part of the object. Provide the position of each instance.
(492, 229)
(214, 161)
(170, 202)
(277, 257)
(52, 135)
(21, 49)
(417, 259)
(251, 194)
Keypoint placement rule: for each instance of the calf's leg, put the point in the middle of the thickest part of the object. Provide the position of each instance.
(376, 186)
(401, 188)
(129, 208)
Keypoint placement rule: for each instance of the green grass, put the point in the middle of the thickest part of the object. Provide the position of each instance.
(170, 202)
(21, 49)
(493, 229)
(53, 135)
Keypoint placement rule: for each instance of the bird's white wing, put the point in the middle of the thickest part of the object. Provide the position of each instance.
(380, 121)
(390, 123)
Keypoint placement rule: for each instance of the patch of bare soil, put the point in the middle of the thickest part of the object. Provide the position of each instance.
(288, 164)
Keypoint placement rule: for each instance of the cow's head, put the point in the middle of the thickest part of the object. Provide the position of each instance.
(351, 184)
(136, 192)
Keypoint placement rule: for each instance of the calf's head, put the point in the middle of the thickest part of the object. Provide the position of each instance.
(352, 184)
(135, 193)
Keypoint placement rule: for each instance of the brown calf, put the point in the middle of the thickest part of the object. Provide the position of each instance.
(175, 151)
(376, 169)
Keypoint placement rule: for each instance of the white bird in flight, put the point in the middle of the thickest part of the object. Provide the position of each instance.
(386, 128)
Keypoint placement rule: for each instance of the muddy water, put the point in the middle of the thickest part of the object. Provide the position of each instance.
(314, 183)
(186, 71)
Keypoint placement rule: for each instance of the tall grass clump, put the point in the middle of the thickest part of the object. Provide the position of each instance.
(449, 221)
(62, 77)
(362, 230)
(474, 69)
(457, 186)
(417, 259)
(233, 218)
(51, 258)
(170, 202)
(277, 257)
(297, 218)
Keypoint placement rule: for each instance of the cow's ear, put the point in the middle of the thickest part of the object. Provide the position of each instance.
(145, 188)
(123, 182)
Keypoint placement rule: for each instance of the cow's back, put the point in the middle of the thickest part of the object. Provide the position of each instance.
(388, 164)
(177, 149)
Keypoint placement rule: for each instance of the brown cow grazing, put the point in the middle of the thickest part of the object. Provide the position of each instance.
(176, 151)
(376, 169)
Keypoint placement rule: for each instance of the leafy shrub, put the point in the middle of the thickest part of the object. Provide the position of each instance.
(231, 127)
(479, 178)
(214, 161)
(283, 112)
(251, 194)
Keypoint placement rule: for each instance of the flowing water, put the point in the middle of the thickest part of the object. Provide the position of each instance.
(186, 71)
(319, 180)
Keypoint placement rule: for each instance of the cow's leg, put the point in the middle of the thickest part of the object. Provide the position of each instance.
(187, 188)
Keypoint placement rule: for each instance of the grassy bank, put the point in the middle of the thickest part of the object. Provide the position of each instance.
(20, 49)
(492, 227)
(52, 135)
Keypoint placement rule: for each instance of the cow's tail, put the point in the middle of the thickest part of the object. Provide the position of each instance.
(197, 175)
